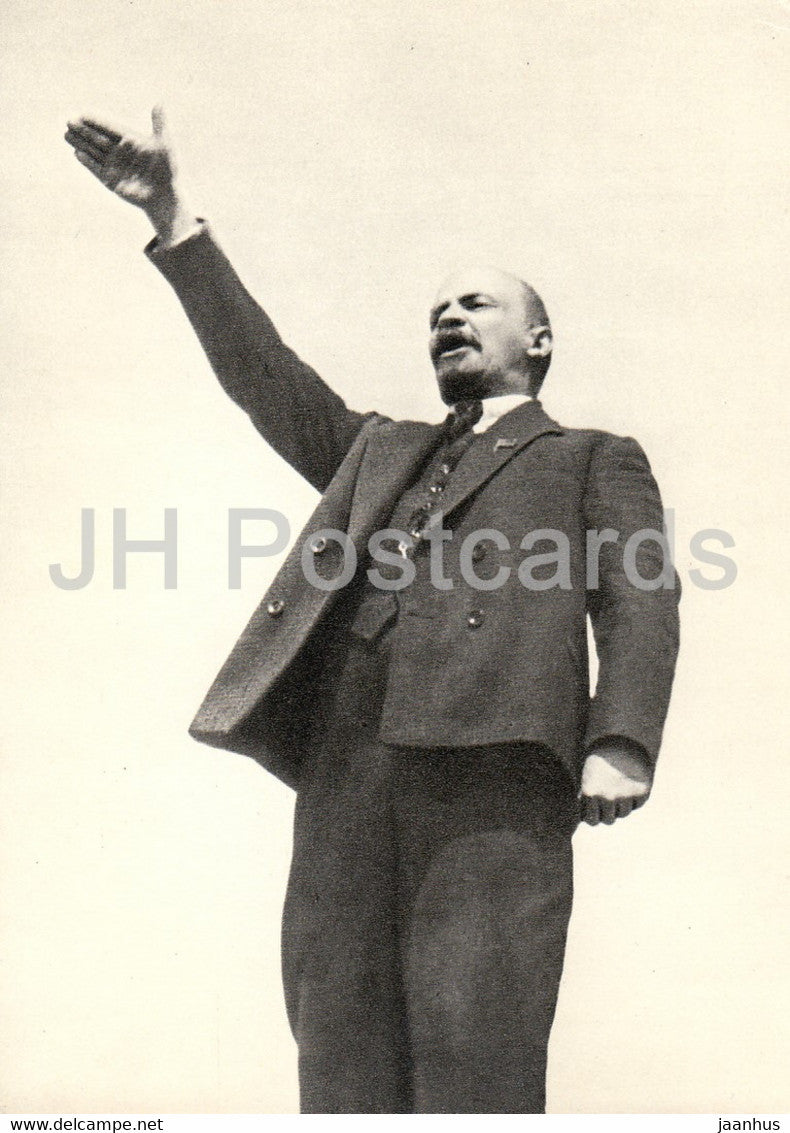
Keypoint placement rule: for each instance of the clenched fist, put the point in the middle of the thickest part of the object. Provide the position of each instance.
(615, 780)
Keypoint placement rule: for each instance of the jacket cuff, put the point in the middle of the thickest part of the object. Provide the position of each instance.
(639, 751)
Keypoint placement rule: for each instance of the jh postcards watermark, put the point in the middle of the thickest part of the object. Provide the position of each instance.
(330, 558)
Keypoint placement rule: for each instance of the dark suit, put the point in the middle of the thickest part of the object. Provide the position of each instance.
(486, 689)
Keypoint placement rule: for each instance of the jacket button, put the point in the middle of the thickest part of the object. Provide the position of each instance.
(475, 618)
(275, 607)
(318, 546)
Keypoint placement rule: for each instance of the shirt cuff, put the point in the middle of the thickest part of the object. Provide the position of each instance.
(160, 245)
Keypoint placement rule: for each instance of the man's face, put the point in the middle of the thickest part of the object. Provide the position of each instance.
(480, 335)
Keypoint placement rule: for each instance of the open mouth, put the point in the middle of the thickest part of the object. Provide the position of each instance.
(451, 342)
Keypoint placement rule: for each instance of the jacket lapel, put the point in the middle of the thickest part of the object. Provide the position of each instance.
(394, 455)
(396, 451)
(499, 444)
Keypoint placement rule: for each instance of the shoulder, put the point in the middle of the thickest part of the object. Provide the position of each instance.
(595, 446)
(378, 425)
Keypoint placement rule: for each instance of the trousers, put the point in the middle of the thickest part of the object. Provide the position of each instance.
(426, 912)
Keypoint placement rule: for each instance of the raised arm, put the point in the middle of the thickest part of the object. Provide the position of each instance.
(289, 404)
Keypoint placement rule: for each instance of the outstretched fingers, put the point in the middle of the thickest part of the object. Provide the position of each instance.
(107, 171)
(83, 144)
(95, 140)
(91, 163)
(101, 129)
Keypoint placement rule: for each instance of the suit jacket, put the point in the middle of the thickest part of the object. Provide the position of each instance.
(468, 666)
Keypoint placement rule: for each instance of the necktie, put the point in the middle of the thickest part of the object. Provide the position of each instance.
(379, 609)
(457, 438)
(461, 419)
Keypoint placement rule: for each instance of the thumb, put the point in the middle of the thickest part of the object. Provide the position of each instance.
(158, 120)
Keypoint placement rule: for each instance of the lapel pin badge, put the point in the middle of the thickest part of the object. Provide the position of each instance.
(503, 442)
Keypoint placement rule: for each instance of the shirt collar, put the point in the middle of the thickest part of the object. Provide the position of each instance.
(496, 407)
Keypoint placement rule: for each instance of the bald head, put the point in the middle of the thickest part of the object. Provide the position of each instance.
(490, 335)
(534, 310)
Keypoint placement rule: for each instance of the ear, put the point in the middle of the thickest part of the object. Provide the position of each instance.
(540, 342)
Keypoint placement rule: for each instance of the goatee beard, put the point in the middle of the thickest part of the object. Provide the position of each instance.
(462, 387)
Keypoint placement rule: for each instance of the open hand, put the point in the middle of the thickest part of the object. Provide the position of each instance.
(138, 169)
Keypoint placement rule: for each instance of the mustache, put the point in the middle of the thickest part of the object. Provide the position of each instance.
(451, 339)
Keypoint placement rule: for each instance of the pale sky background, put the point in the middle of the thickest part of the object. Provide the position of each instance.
(630, 159)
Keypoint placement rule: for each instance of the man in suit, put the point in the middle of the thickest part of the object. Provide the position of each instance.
(430, 707)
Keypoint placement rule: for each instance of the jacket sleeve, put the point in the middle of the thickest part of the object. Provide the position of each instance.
(294, 410)
(632, 598)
